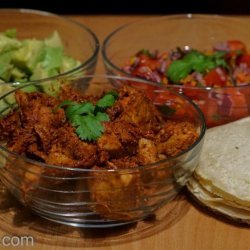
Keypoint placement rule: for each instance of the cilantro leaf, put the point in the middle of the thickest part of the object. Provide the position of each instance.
(63, 104)
(206, 64)
(113, 93)
(102, 117)
(95, 126)
(178, 70)
(82, 128)
(194, 57)
(76, 120)
(195, 61)
(81, 108)
(219, 60)
(107, 101)
(200, 62)
(87, 118)
(66, 103)
(219, 54)
(88, 127)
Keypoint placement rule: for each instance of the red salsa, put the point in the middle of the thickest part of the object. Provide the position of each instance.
(227, 64)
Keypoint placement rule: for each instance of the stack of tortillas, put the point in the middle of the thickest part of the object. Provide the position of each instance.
(222, 179)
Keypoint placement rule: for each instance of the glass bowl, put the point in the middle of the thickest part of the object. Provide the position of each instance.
(102, 197)
(220, 104)
(79, 42)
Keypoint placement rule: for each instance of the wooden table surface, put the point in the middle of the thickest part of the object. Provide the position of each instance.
(190, 227)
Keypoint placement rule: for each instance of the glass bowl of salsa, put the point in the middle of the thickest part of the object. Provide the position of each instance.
(204, 57)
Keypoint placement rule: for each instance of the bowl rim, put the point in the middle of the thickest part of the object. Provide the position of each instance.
(142, 167)
(187, 16)
(83, 65)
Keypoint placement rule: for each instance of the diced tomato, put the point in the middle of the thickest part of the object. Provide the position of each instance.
(239, 106)
(237, 46)
(152, 63)
(244, 59)
(143, 72)
(216, 77)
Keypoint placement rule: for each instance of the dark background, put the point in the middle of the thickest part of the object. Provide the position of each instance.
(236, 7)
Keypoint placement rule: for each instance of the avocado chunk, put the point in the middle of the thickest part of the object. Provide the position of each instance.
(49, 65)
(11, 33)
(5, 66)
(17, 75)
(54, 41)
(8, 43)
(68, 63)
(28, 55)
(52, 58)
(33, 59)
(41, 72)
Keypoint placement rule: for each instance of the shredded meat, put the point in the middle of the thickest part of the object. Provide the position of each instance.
(138, 109)
(68, 150)
(70, 93)
(137, 129)
(117, 196)
(120, 138)
(137, 134)
(8, 125)
(147, 152)
(175, 137)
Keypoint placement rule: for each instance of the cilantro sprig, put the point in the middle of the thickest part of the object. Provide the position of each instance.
(107, 101)
(87, 118)
(195, 61)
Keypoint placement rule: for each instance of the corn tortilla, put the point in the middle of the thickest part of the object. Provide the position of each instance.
(224, 167)
(218, 204)
(222, 179)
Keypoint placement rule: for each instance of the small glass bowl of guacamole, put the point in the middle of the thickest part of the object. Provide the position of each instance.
(37, 45)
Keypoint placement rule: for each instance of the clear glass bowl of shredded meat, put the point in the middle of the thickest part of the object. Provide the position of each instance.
(205, 57)
(97, 151)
